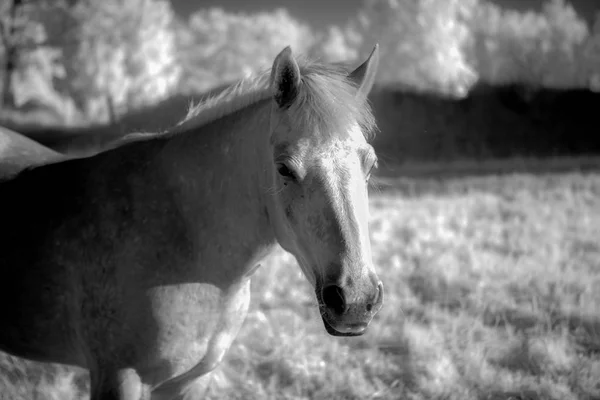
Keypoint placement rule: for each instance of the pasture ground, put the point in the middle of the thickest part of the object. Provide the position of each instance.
(491, 288)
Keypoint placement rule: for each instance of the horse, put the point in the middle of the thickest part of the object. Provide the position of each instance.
(19, 152)
(135, 263)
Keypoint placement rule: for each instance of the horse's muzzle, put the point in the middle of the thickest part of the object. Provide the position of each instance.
(347, 319)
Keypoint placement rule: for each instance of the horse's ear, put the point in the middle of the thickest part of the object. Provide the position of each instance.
(285, 78)
(364, 76)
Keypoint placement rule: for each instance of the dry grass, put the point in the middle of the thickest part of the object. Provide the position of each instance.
(491, 286)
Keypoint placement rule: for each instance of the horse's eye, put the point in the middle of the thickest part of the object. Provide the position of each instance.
(284, 171)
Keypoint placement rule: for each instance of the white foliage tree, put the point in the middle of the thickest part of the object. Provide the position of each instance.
(225, 46)
(538, 48)
(568, 32)
(422, 41)
(126, 54)
(591, 56)
(33, 80)
(153, 63)
(32, 62)
(337, 44)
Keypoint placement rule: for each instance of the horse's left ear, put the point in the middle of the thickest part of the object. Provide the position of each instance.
(285, 78)
(364, 76)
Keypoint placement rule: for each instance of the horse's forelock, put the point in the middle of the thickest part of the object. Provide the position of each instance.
(327, 100)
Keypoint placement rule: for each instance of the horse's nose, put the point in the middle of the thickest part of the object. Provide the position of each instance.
(334, 299)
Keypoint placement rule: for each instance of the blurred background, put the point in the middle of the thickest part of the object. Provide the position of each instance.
(478, 79)
(486, 224)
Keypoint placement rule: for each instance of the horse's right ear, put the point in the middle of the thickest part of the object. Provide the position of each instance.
(285, 78)
(364, 76)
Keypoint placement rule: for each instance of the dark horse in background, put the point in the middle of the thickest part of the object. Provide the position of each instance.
(134, 260)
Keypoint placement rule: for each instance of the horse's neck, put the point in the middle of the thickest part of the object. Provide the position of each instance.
(222, 178)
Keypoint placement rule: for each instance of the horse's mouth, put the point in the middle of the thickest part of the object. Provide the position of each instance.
(349, 329)
(333, 332)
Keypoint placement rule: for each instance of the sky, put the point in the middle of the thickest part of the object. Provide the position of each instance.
(321, 13)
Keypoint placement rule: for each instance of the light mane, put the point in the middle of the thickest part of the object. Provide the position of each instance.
(238, 96)
(326, 101)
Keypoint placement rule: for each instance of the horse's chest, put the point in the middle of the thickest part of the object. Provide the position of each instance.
(197, 324)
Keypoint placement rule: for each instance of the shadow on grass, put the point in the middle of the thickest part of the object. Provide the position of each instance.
(492, 166)
(511, 395)
(404, 377)
(431, 288)
(466, 176)
(584, 328)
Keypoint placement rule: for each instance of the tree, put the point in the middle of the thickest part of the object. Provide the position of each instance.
(336, 44)
(125, 55)
(590, 56)
(99, 57)
(9, 27)
(422, 41)
(31, 63)
(565, 33)
(221, 46)
(536, 48)
(18, 36)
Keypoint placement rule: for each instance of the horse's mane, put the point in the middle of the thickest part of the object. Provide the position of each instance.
(326, 100)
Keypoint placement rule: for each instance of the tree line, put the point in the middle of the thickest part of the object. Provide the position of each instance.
(89, 61)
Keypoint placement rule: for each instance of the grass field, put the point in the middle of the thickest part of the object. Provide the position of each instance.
(491, 284)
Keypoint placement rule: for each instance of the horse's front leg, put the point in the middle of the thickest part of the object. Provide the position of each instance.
(195, 390)
(117, 384)
(194, 383)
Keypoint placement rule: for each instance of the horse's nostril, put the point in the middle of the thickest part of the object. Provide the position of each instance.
(333, 297)
(378, 299)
